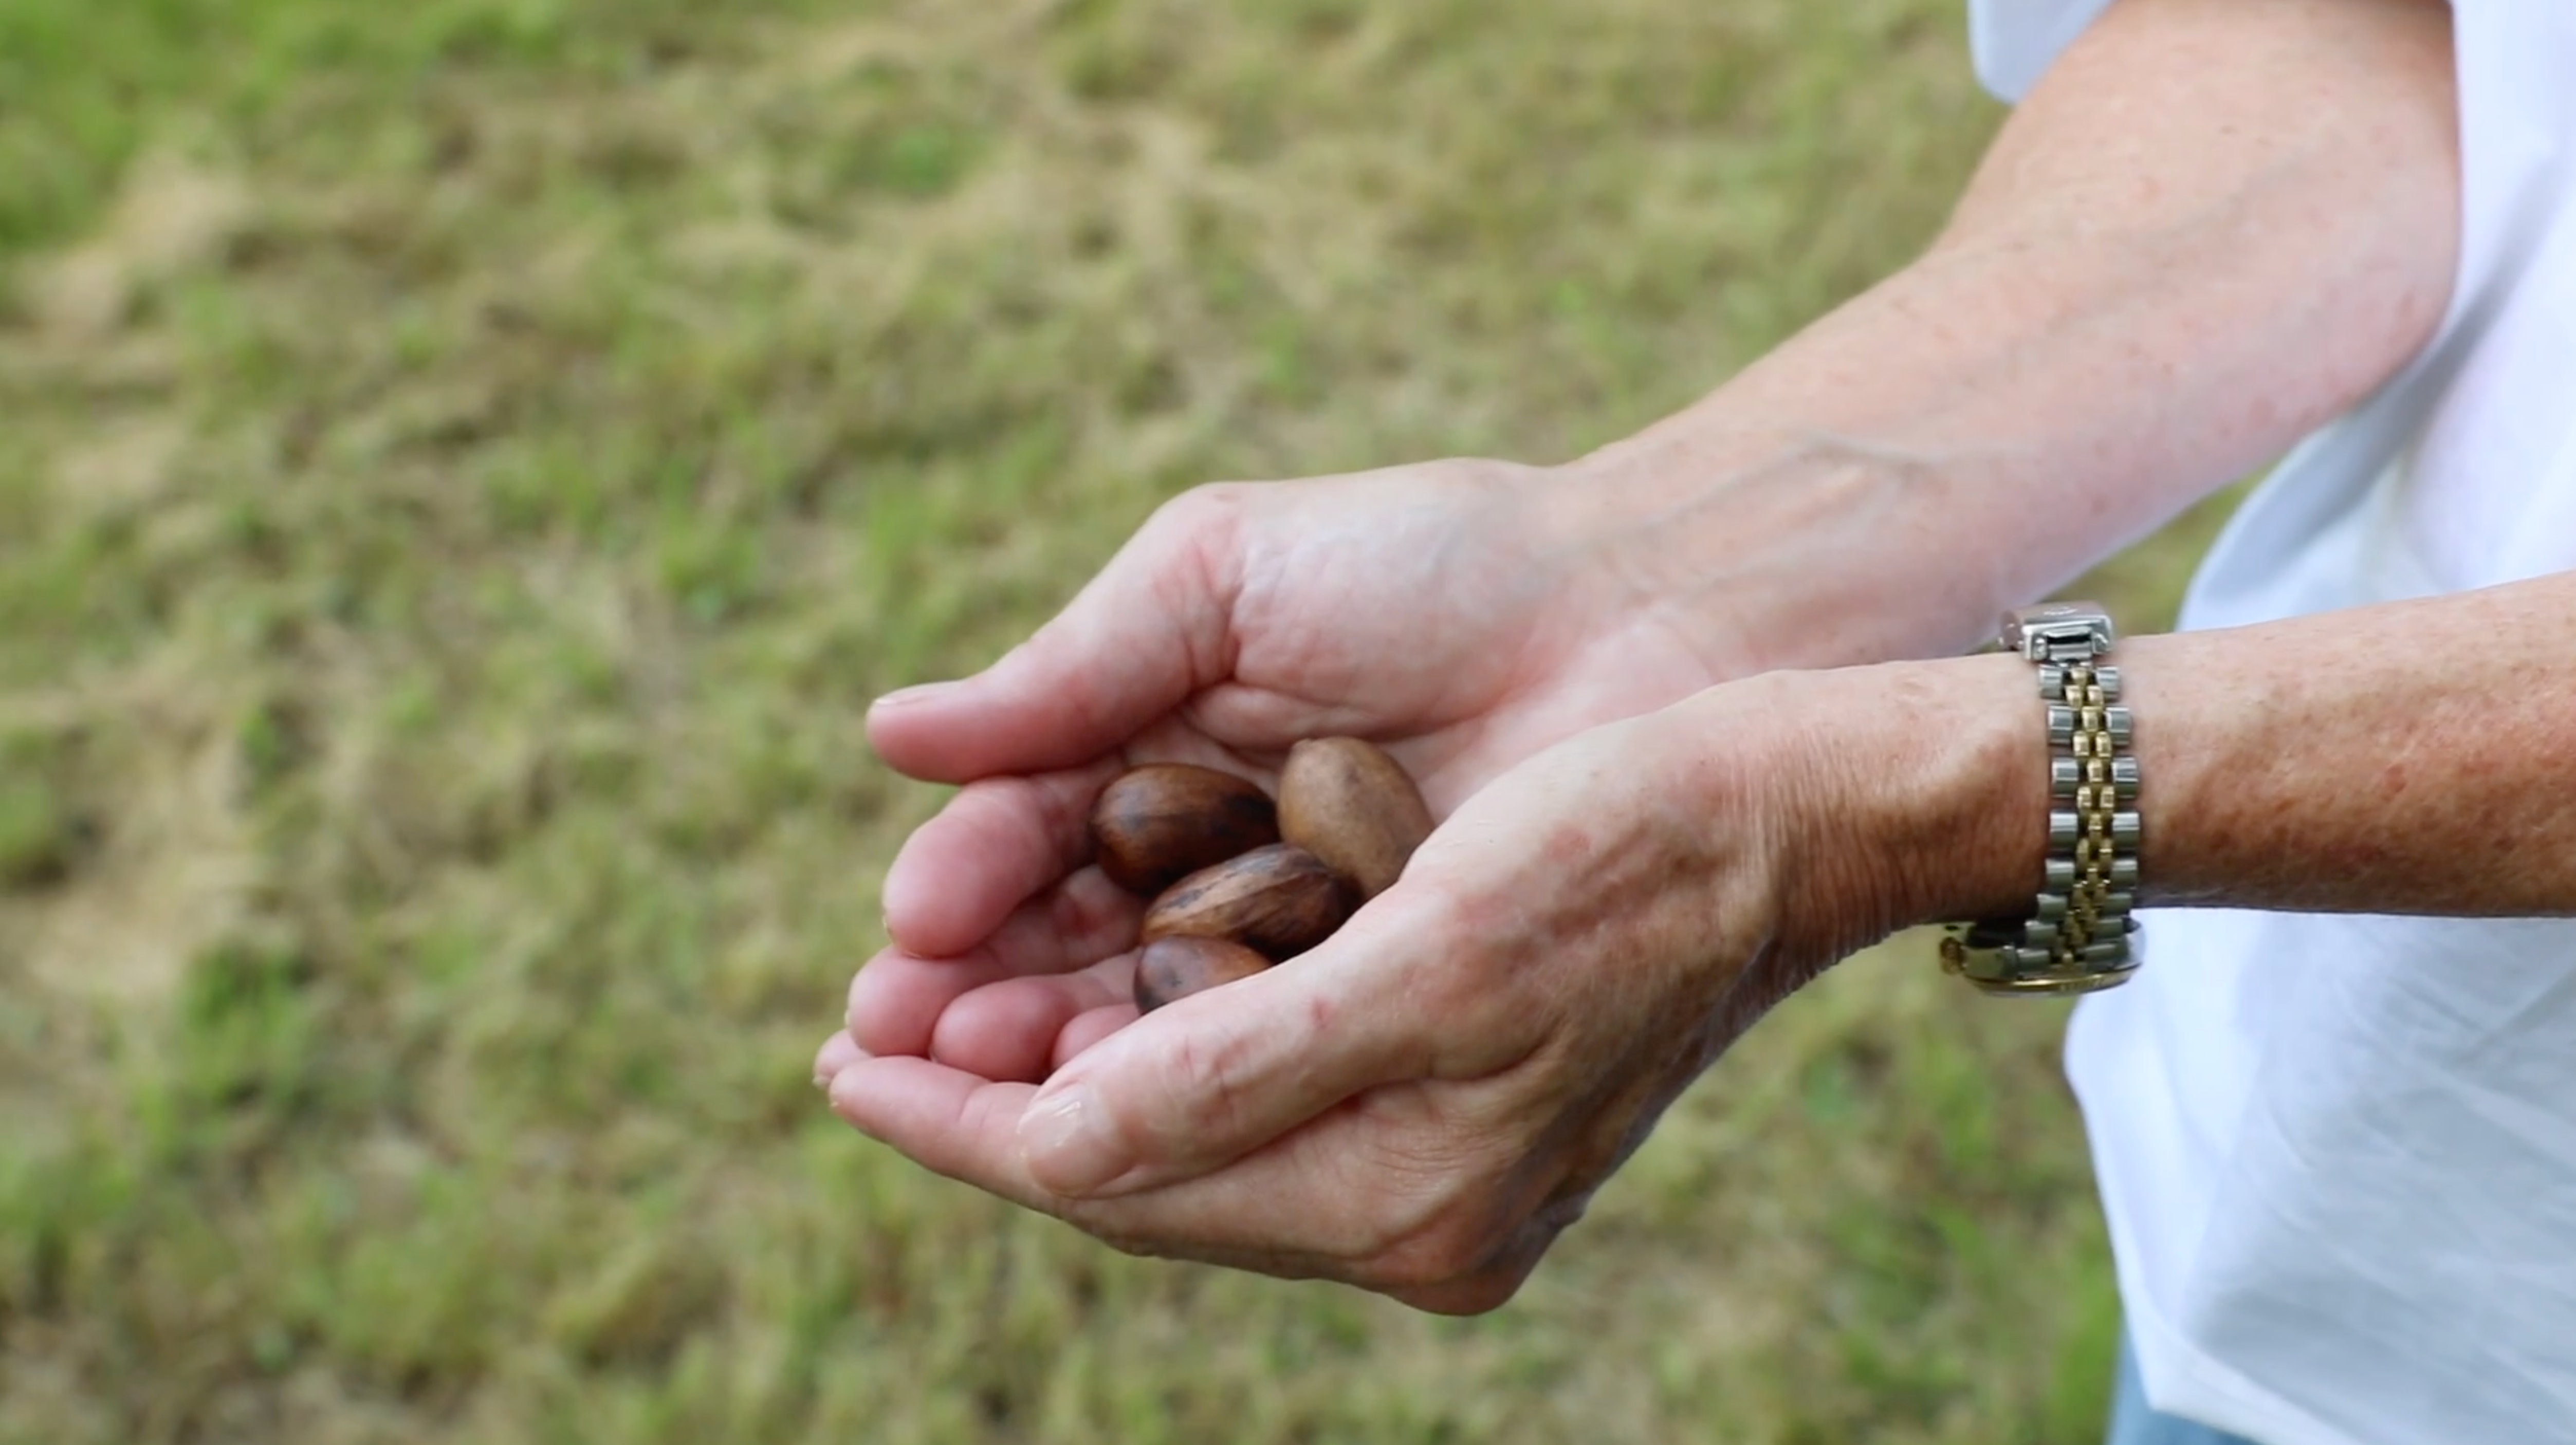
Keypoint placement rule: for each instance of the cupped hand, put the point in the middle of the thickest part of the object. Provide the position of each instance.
(1438, 609)
(1421, 1103)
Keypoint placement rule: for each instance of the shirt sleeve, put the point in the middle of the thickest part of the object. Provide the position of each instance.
(2013, 41)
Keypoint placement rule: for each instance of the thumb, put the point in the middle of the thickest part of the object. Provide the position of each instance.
(1152, 628)
(1199, 1084)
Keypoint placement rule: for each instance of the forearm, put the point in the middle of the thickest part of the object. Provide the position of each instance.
(2216, 225)
(2415, 757)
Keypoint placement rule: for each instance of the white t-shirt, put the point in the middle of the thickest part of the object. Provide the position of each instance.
(2338, 1154)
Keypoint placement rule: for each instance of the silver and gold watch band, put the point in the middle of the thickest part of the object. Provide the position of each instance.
(2080, 935)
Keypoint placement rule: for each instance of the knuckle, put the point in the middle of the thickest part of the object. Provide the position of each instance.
(1225, 497)
(1210, 506)
(854, 999)
(884, 1017)
(1094, 916)
(1474, 985)
(1205, 1083)
(1054, 809)
(1191, 552)
(1438, 965)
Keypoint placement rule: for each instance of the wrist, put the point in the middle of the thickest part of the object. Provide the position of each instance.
(1962, 829)
(1789, 550)
(1892, 795)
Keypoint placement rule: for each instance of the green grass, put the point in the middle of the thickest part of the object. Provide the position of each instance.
(469, 463)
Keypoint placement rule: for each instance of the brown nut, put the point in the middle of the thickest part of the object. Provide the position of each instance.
(1181, 965)
(1352, 806)
(1161, 822)
(1278, 901)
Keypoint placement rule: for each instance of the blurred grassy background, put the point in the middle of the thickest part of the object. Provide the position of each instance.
(466, 465)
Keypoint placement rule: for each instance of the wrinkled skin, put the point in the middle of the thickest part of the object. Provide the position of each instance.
(2131, 303)
(1420, 1105)
(1429, 608)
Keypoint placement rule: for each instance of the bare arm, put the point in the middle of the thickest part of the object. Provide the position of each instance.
(2416, 757)
(2217, 224)
(2213, 226)
(2104, 333)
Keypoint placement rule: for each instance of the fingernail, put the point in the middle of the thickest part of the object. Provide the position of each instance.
(1069, 1145)
(907, 696)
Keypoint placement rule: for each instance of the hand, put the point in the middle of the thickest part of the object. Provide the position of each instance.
(1422, 1103)
(1435, 609)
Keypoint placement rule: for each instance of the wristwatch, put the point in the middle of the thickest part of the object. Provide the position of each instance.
(2080, 935)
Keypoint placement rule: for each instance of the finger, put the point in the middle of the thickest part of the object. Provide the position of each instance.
(1416, 1224)
(1216, 1075)
(948, 1121)
(1088, 1029)
(1403, 1189)
(896, 1000)
(967, 1129)
(1009, 1030)
(838, 1053)
(1148, 631)
(994, 846)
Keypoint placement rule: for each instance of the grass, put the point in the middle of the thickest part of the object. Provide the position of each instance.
(469, 463)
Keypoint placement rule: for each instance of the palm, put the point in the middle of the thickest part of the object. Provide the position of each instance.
(1420, 607)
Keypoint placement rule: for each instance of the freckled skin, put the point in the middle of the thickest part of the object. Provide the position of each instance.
(1568, 843)
(1679, 772)
(2415, 759)
(2406, 758)
(1977, 428)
